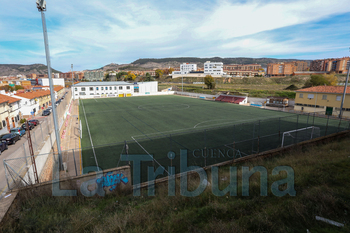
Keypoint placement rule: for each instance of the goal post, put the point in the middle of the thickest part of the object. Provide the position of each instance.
(301, 134)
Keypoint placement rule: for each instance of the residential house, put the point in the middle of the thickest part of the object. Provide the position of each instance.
(323, 99)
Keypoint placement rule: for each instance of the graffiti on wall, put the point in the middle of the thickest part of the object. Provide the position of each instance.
(112, 180)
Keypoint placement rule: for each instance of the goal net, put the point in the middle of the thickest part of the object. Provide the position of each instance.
(300, 135)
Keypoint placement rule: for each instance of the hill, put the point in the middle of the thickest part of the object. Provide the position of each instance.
(166, 62)
(162, 63)
(15, 69)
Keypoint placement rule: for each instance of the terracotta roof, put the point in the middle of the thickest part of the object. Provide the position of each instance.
(326, 89)
(6, 98)
(36, 94)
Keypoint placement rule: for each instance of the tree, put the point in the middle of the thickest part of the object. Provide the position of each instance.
(316, 80)
(121, 75)
(7, 88)
(148, 77)
(209, 81)
(107, 77)
(331, 78)
(18, 87)
(320, 80)
(130, 76)
(159, 73)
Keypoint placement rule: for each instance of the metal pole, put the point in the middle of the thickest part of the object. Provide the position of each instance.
(325, 134)
(7, 180)
(344, 93)
(182, 84)
(57, 132)
(296, 132)
(25, 153)
(72, 74)
(75, 164)
(42, 135)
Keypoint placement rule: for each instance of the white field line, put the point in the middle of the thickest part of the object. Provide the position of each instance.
(150, 155)
(185, 129)
(87, 124)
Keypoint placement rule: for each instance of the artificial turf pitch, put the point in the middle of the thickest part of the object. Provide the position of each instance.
(210, 131)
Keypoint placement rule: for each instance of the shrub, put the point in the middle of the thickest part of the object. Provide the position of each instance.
(22, 121)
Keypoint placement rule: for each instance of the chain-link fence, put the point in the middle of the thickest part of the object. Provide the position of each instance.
(19, 168)
(203, 147)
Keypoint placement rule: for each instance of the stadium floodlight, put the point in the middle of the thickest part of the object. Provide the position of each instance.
(41, 5)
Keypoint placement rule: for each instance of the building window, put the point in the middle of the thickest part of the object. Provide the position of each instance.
(83, 89)
(310, 96)
(120, 88)
(338, 97)
(128, 87)
(91, 93)
(82, 93)
(324, 97)
(110, 88)
(96, 88)
(301, 95)
(115, 88)
(75, 89)
(3, 123)
(91, 89)
(101, 88)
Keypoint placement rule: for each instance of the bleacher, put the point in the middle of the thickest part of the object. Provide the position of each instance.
(229, 99)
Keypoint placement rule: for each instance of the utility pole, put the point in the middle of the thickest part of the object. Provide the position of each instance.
(41, 5)
(72, 74)
(345, 87)
(31, 151)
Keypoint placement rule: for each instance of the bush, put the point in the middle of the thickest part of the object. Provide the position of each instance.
(22, 121)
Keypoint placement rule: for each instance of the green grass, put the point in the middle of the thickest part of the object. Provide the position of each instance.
(170, 123)
(322, 189)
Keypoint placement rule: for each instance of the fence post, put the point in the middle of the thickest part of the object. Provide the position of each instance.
(279, 129)
(313, 121)
(259, 138)
(296, 132)
(42, 135)
(339, 125)
(205, 148)
(75, 165)
(6, 175)
(325, 134)
(307, 122)
(34, 141)
(25, 153)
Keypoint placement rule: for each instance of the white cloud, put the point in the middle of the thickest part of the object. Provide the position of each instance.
(230, 20)
(92, 33)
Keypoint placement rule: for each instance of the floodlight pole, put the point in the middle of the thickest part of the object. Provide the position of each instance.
(345, 87)
(41, 5)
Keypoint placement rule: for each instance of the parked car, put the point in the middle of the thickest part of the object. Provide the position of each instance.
(24, 126)
(34, 122)
(46, 112)
(18, 131)
(49, 108)
(10, 138)
(3, 146)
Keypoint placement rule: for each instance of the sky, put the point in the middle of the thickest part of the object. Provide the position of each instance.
(91, 33)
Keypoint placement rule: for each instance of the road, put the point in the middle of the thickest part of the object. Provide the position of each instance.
(16, 151)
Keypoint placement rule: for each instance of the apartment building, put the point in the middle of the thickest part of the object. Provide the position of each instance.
(249, 70)
(286, 68)
(94, 75)
(213, 68)
(186, 68)
(337, 65)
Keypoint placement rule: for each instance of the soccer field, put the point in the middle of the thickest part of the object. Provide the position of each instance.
(210, 131)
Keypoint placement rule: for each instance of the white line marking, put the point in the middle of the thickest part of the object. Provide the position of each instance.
(87, 124)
